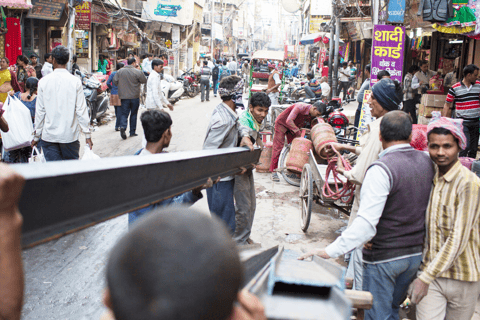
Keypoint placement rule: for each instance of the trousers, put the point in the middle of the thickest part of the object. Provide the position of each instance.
(410, 107)
(205, 86)
(220, 202)
(470, 128)
(215, 86)
(129, 107)
(278, 142)
(60, 151)
(245, 205)
(344, 85)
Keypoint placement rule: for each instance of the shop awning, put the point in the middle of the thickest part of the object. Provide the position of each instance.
(15, 4)
(315, 37)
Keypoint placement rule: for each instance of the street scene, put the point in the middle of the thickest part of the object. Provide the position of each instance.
(239, 159)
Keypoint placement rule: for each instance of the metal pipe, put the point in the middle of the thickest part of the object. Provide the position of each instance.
(335, 65)
(330, 55)
(70, 30)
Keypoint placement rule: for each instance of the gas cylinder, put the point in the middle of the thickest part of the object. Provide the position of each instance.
(265, 158)
(322, 134)
(298, 155)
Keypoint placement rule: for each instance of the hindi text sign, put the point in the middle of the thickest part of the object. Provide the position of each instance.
(387, 51)
(83, 16)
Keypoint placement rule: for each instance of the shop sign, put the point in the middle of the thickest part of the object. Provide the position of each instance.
(178, 12)
(387, 51)
(365, 116)
(321, 59)
(83, 16)
(99, 15)
(197, 13)
(321, 8)
(315, 23)
(396, 11)
(46, 9)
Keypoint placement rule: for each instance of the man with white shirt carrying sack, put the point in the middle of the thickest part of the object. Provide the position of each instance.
(61, 112)
(155, 98)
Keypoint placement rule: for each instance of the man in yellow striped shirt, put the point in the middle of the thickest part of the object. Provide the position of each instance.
(449, 285)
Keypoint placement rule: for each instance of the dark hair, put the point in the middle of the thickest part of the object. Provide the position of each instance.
(22, 58)
(74, 58)
(47, 55)
(130, 61)
(32, 85)
(325, 63)
(205, 62)
(310, 75)
(414, 68)
(224, 62)
(149, 55)
(423, 63)
(157, 62)
(444, 132)
(61, 55)
(101, 57)
(229, 83)
(120, 65)
(344, 64)
(174, 264)
(471, 68)
(368, 67)
(321, 107)
(294, 63)
(396, 126)
(260, 99)
(382, 73)
(33, 55)
(155, 123)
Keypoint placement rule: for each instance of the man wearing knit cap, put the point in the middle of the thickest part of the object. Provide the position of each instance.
(386, 96)
(449, 284)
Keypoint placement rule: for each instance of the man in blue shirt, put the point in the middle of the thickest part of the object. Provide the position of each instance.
(295, 70)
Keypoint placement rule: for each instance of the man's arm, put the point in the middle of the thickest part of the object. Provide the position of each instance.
(447, 110)
(154, 88)
(82, 114)
(115, 78)
(39, 115)
(373, 196)
(292, 116)
(141, 77)
(415, 83)
(11, 269)
(467, 213)
(109, 81)
(216, 134)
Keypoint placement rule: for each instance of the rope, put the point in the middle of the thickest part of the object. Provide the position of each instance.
(347, 189)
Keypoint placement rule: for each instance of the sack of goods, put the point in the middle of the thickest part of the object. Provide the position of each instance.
(20, 133)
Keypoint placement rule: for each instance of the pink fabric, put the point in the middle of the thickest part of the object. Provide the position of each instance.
(466, 162)
(419, 137)
(455, 126)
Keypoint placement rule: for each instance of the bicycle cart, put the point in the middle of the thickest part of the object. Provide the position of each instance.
(311, 186)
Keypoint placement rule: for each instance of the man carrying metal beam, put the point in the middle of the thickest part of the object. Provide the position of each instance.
(224, 131)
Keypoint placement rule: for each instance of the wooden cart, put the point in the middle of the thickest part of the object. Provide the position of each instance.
(311, 186)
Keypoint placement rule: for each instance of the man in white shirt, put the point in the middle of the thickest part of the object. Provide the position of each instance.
(325, 87)
(344, 80)
(61, 111)
(232, 66)
(47, 66)
(155, 97)
(147, 63)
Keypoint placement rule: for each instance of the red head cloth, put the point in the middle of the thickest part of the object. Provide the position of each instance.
(419, 137)
(455, 126)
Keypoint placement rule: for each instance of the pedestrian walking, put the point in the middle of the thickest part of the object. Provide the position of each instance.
(273, 84)
(47, 66)
(224, 71)
(147, 63)
(205, 74)
(215, 78)
(361, 94)
(6, 79)
(114, 98)
(449, 284)
(232, 66)
(409, 101)
(155, 98)
(61, 111)
(37, 66)
(344, 74)
(391, 218)
(465, 94)
(224, 131)
(244, 187)
(102, 64)
(128, 80)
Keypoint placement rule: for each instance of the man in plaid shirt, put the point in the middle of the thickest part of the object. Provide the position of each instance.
(409, 101)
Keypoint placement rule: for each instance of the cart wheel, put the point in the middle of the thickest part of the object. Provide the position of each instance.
(282, 164)
(306, 197)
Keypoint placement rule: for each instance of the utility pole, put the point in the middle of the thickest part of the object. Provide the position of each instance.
(331, 53)
(223, 28)
(71, 30)
(337, 44)
(212, 22)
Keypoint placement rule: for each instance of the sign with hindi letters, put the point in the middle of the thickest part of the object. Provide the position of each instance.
(388, 45)
(83, 16)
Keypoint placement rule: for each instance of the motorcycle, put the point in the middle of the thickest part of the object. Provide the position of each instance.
(190, 83)
(172, 89)
(96, 95)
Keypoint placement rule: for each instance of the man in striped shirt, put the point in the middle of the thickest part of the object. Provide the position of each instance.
(449, 285)
(466, 95)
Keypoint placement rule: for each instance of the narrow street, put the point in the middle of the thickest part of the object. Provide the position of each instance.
(65, 278)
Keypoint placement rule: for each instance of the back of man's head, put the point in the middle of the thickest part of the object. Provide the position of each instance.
(205, 62)
(396, 126)
(130, 61)
(175, 264)
(157, 62)
(61, 55)
(155, 123)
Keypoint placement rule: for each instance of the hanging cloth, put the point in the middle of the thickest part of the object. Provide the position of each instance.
(13, 40)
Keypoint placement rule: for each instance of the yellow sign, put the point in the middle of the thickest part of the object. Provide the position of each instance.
(364, 119)
(315, 23)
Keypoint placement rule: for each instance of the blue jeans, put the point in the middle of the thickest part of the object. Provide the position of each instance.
(129, 106)
(215, 86)
(60, 151)
(118, 115)
(220, 202)
(388, 283)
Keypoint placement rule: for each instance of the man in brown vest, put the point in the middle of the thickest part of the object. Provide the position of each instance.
(274, 83)
(422, 77)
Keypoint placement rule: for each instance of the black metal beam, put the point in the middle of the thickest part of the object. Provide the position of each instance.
(62, 197)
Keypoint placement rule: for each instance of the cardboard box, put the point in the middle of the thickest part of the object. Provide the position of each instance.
(434, 100)
(421, 110)
(428, 111)
(423, 120)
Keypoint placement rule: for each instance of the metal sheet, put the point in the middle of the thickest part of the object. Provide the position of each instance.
(66, 196)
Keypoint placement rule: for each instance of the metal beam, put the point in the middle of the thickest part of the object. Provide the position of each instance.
(65, 196)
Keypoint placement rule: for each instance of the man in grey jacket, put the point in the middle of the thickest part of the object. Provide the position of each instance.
(128, 81)
(205, 74)
(224, 131)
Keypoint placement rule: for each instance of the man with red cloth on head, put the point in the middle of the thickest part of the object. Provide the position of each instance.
(288, 124)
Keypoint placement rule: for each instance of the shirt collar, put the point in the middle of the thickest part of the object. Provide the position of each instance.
(61, 70)
(452, 173)
(232, 113)
(393, 148)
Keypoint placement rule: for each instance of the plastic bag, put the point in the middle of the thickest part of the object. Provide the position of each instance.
(19, 119)
(88, 154)
(37, 156)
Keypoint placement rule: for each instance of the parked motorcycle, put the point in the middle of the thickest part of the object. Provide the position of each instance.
(171, 88)
(96, 95)
(191, 85)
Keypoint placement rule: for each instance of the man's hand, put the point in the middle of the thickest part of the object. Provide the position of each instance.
(417, 291)
(34, 143)
(331, 147)
(249, 307)
(316, 252)
(246, 142)
(89, 142)
(170, 106)
(11, 185)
